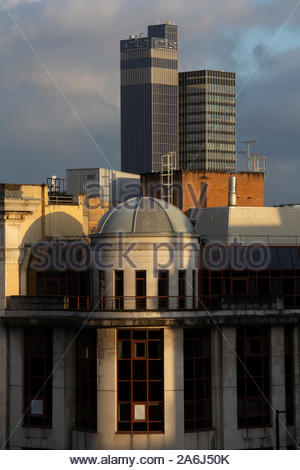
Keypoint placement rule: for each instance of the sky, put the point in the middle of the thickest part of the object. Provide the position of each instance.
(59, 79)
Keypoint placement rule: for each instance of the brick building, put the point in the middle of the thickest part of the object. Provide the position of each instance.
(208, 189)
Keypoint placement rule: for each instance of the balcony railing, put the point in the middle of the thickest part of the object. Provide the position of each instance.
(102, 303)
(243, 302)
(146, 303)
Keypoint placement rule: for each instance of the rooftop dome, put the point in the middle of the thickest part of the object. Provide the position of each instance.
(144, 216)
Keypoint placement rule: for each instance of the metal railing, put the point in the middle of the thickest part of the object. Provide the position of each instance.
(102, 303)
(148, 303)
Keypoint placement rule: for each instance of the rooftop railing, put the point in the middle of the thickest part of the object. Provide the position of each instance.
(148, 303)
(102, 303)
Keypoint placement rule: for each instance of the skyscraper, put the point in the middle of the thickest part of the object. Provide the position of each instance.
(207, 120)
(149, 98)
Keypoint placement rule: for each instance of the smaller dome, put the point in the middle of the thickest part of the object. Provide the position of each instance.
(144, 216)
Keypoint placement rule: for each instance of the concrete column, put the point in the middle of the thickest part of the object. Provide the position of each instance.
(174, 388)
(23, 270)
(14, 402)
(189, 289)
(152, 290)
(278, 382)
(106, 388)
(173, 287)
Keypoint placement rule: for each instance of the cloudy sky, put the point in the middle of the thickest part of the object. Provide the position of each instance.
(59, 79)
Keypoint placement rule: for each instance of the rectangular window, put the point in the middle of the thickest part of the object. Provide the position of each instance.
(181, 289)
(140, 380)
(119, 290)
(140, 290)
(289, 373)
(197, 379)
(163, 290)
(73, 285)
(38, 365)
(86, 380)
(253, 376)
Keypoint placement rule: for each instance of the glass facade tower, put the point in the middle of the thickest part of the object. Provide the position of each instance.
(207, 120)
(149, 98)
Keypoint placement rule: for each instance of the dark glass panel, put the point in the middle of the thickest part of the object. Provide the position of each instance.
(155, 412)
(124, 412)
(274, 261)
(285, 258)
(139, 370)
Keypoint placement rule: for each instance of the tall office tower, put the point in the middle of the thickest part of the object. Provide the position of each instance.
(207, 120)
(149, 98)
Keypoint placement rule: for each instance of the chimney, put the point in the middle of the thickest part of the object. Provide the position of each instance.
(232, 191)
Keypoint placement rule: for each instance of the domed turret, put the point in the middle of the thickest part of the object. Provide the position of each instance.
(144, 216)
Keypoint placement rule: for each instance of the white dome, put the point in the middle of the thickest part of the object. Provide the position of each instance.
(144, 216)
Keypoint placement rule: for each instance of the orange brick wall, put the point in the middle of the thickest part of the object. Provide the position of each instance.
(250, 188)
(96, 211)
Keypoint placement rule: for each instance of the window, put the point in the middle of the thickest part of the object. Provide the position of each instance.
(253, 376)
(140, 290)
(181, 289)
(86, 380)
(285, 258)
(163, 290)
(73, 284)
(289, 373)
(197, 379)
(119, 290)
(140, 380)
(37, 377)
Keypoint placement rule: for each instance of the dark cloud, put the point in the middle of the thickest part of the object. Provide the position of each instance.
(78, 41)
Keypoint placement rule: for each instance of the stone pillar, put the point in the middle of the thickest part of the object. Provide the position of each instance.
(24, 265)
(173, 287)
(14, 402)
(106, 388)
(189, 289)
(174, 387)
(152, 290)
(278, 383)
